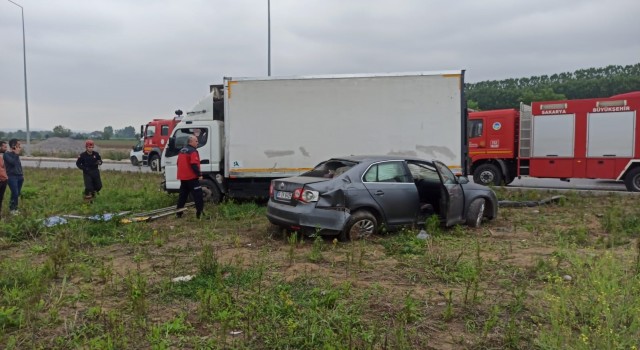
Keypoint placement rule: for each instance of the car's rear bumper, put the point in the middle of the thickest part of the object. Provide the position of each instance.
(307, 217)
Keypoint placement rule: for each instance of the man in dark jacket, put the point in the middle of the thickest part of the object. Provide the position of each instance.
(88, 161)
(189, 176)
(3, 173)
(13, 167)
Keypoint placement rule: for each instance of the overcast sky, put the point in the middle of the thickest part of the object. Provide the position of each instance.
(97, 63)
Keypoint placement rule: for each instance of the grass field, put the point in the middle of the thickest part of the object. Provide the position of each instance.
(563, 276)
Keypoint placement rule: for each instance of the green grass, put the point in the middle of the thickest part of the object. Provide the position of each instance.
(551, 277)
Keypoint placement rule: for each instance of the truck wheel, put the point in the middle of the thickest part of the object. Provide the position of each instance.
(154, 162)
(134, 161)
(362, 224)
(210, 191)
(475, 213)
(632, 180)
(487, 174)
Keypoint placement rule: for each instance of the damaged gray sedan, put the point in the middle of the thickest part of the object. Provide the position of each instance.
(354, 196)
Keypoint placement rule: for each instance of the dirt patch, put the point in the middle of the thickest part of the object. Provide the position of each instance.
(60, 145)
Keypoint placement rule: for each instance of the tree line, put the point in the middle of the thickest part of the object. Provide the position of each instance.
(107, 133)
(583, 83)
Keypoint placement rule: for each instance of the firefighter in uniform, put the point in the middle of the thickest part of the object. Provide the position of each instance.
(88, 161)
(189, 176)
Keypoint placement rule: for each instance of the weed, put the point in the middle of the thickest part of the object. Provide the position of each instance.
(293, 242)
(137, 289)
(316, 249)
(208, 263)
(448, 314)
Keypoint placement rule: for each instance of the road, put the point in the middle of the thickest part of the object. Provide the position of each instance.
(60, 163)
(575, 184)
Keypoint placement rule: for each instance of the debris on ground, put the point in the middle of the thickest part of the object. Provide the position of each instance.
(521, 204)
(186, 278)
(423, 235)
(130, 218)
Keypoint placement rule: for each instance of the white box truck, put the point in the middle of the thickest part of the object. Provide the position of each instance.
(252, 130)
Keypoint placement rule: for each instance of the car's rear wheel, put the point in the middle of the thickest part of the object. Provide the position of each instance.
(361, 225)
(475, 213)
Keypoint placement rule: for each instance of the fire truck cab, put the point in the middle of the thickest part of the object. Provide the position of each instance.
(595, 138)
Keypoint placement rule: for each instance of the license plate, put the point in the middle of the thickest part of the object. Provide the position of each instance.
(283, 195)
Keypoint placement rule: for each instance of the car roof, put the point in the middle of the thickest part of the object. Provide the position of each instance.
(375, 158)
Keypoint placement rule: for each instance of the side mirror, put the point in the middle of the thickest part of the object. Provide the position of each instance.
(172, 143)
(463, 180)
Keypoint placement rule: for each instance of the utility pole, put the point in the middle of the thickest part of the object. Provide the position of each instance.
(269, 37)
(24, 59)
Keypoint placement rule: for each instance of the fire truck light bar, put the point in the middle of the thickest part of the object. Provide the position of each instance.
(553, 106)
(618, 103)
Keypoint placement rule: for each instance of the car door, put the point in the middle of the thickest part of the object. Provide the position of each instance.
(391, 186)
(454, 196)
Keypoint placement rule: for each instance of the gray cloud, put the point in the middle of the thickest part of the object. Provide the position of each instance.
(119, 63)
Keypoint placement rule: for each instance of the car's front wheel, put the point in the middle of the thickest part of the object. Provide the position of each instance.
(362, 224)
(134, 161)
(475, 213)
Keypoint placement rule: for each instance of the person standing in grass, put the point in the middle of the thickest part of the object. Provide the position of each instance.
(189, 176)
(3, 173)
(15, 176)
(89, 162)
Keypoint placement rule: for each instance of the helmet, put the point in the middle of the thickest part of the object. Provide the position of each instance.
(88, 143)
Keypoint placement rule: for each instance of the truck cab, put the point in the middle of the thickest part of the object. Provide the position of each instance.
(155, 134)
(493, 145)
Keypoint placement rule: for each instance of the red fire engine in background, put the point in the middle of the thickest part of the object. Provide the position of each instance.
(156, 135)
(596, 138)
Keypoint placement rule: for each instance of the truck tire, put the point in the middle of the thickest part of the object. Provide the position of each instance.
(475, 213)
(134, 161)
(210, 192)
(632, 180)
(487, 174)
(361, 225)
(154, 162)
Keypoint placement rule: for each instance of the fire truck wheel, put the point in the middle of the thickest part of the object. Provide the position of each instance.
(210, 191)
(154, 162)
(632, 180)
(487, 174)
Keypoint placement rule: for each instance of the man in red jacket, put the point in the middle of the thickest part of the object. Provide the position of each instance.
(189, 176)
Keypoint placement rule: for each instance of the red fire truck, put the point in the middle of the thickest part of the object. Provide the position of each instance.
(156, 134)
(596, 138)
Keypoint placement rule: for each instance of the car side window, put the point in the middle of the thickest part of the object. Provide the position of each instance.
(424, 171)
(447, 176)
(387, 172)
